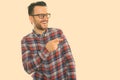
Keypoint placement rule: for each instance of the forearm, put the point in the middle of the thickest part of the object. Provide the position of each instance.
(30, 57)
(31, 61)
(70, 67)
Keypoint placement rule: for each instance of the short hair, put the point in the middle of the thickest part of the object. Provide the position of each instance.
(32, 5)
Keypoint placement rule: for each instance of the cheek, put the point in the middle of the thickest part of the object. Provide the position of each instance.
(37, 20)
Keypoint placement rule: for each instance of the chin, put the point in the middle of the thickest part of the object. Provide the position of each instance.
(44, 27)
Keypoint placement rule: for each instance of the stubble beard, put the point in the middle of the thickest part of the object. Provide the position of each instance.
(39, 27)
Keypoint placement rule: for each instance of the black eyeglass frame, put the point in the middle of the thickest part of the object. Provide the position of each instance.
(41, 16)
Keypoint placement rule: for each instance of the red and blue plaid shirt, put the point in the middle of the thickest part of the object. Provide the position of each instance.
(56, 65)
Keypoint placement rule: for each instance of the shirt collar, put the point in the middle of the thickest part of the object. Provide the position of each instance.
(38, 35)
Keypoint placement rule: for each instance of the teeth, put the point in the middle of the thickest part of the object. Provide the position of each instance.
(44, 22)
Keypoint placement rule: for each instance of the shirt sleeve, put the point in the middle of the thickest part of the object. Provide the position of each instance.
(32, 60)
(70, 63)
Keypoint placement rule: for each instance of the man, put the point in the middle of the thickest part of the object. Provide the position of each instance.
(46, 53)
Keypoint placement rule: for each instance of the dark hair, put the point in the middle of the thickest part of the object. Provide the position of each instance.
(32, 5)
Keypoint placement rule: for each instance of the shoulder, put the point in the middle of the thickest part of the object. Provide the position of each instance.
(28, 36)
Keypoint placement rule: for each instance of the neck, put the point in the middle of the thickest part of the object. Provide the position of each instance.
(38, 31)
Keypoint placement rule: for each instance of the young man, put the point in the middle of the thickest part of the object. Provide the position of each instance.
(45, 52)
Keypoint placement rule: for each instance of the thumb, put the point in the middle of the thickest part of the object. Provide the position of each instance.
(58, 40)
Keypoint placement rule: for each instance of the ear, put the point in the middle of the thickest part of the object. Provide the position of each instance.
(31, 19)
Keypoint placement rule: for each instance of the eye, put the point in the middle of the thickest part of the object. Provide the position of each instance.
(41, 16)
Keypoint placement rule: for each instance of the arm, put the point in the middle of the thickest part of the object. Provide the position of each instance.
(32, 60)
(70, 63)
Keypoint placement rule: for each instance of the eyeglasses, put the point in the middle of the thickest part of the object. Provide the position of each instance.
(41, 16)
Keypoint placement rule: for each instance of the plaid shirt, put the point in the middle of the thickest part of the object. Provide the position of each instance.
(56, 65)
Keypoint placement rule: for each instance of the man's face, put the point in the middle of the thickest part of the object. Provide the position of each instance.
(40, 22)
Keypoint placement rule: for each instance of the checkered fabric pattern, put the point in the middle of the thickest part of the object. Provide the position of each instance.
(45, 65)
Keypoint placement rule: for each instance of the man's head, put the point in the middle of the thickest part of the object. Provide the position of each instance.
(38, 15)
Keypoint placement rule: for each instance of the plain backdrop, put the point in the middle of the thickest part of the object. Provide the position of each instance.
(92, 28)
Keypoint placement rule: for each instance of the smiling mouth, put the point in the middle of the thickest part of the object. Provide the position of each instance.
(44, 22)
